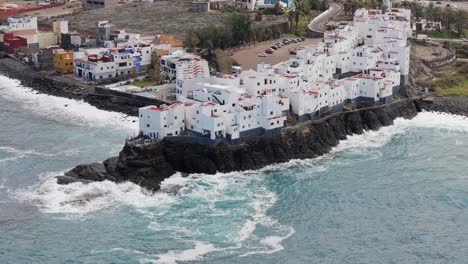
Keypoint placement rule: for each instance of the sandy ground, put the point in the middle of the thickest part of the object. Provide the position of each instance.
(248, 57)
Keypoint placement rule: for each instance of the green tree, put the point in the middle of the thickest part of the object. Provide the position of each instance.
(134, 72)
(240, 25)
(300, 8)
(192, 40)
(154, 69)
(460, 21)
(277, 8)
(324, 5)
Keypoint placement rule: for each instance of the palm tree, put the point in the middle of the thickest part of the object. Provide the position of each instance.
(300, 8)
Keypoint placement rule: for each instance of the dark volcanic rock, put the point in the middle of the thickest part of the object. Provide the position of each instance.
(149, 164)
(44, 83)
(457, 105)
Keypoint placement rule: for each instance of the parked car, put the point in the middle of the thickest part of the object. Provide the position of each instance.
(269, 51)
(262, 55)
(279, 44)
(292, 52)
(465, 39)
(303, 38)
(299, 40)
(274, 47)
(293, 41)
(286, 42)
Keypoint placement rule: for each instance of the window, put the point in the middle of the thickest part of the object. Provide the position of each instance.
(147, 125)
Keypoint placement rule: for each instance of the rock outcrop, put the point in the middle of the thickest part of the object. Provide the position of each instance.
(149, 164)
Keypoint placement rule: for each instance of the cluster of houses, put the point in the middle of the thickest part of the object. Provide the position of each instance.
(113, 54)
(365, 61)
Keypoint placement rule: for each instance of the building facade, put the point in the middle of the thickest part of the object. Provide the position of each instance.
(63, 62)
(366, 61)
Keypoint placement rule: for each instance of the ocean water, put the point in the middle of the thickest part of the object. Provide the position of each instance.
(398, 195)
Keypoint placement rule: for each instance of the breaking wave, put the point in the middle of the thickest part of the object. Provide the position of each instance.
(63, 109)
(80, 199)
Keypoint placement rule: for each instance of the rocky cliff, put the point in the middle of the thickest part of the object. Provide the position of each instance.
(149, 164)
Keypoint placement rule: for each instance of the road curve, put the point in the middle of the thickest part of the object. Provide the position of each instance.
(316, 24)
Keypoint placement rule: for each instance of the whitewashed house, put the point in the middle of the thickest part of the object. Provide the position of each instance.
(159, 122)
(363, 62)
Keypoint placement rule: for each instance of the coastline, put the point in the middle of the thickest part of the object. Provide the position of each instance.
(43, 83)
(149, 164)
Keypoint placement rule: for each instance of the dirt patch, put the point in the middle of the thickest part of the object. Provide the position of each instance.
(173, 17)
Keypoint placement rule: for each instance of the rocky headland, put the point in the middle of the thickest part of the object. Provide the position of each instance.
(148, 164)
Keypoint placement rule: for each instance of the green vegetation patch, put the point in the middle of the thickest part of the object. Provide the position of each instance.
(144, 83)
(452, 85)
(442, 34)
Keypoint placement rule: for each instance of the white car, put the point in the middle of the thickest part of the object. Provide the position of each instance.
(262, 55)
(465, 39)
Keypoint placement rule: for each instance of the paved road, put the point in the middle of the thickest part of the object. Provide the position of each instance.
(317, 22)
(443, 40)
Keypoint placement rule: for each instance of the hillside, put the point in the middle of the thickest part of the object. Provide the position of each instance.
(174, 17)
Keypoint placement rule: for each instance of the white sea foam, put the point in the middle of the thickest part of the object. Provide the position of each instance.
(80, 199)
(62, 109)
(172, 257)
(260, 206)
(436, 120)
(2, 184)
(272, 244)
(369, 139)
(22, 153)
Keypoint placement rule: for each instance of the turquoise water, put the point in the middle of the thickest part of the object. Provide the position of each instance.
(399, 195)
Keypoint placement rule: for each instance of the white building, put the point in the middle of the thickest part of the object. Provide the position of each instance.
(362, 62)
(182, 65)
(160, 122)
(100, 64)
(22, 24)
